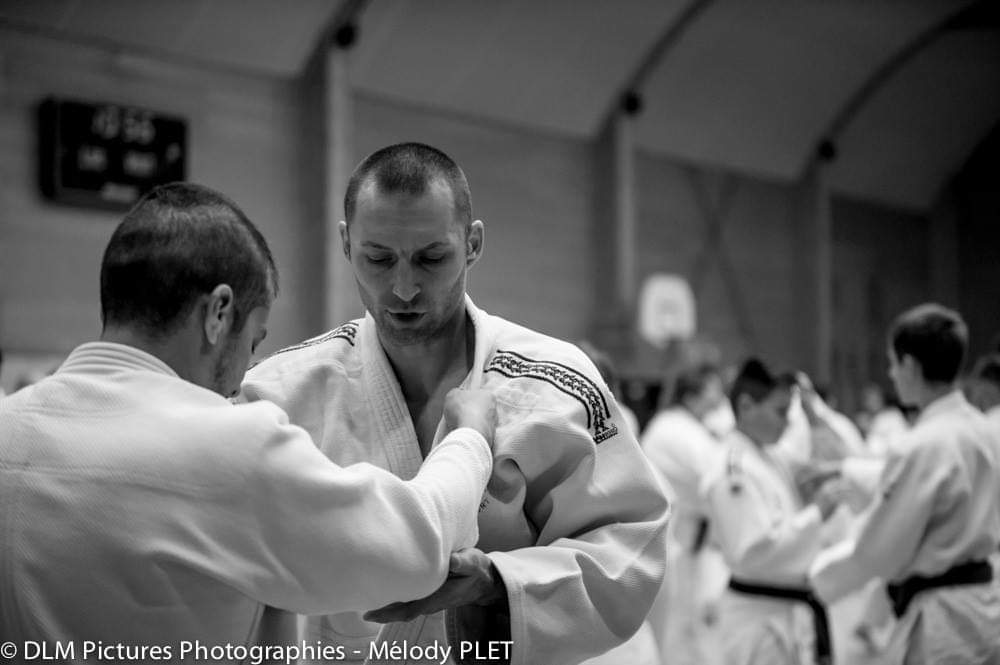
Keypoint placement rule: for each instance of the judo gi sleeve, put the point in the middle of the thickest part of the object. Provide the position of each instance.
(891, 533)
(756, 542)
(599, 520)
(303, 534)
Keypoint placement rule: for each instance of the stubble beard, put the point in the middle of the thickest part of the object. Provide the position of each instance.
(434, 326)
(223, 367)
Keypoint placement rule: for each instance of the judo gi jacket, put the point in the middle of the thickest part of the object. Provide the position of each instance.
(139, 508)
(573, 518)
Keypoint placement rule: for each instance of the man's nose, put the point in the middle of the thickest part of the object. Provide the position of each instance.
(404, 282)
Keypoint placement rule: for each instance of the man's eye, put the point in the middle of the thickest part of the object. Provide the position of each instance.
(433, 258)
(378, 260)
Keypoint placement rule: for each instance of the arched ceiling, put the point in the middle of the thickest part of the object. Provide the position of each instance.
(754, 85)
(918, 128)
(748, 86)
(555, 65)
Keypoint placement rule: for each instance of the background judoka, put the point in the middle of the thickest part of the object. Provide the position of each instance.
(684, 451)
(138, 506)
(572, 530)
(766, 532)
(935, 519)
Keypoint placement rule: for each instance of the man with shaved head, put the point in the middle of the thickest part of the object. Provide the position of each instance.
(572, 527)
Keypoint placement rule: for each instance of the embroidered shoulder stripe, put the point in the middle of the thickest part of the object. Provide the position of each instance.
(347, 332)
(566, 379)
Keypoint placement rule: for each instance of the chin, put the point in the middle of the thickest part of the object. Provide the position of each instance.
(407, 337)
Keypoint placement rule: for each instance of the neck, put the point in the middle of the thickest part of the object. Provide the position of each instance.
(930, 392)
(752, 435)
(422, 367)
(176, 350)
(692, 408)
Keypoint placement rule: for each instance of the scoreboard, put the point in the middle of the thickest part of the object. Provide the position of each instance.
(102, 155)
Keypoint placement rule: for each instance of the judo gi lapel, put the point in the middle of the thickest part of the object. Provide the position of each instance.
(392, 427)
(483, 346)
(403, 451)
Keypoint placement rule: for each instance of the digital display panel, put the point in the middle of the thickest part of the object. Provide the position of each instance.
(107, 155)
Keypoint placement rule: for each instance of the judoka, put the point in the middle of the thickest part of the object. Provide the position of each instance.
(767, 537)
(684, 451)
(572, 529)
(139, 506)
(935, 520)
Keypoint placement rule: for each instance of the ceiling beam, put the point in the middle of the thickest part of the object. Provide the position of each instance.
(628, 93)
(961, 18)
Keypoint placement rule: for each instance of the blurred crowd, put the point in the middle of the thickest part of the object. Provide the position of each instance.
(780, 499)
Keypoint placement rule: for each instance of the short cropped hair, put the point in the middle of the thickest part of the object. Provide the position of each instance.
(754, 379)
(180, 241)
(691, 381)
(410, 168)
(987, 368)
(934, 336)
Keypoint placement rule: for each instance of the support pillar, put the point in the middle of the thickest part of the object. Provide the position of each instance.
(340, 302)
(817, 269)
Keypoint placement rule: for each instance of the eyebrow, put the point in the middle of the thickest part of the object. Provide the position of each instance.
(437, 244)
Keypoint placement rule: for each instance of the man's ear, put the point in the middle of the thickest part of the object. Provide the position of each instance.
(220, 312)
(345, 238)
(474, 242)
(912, 366)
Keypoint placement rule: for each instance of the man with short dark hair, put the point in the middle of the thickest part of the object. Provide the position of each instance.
(140, 507)
(767, 536)
(935, 520)
(572, 527)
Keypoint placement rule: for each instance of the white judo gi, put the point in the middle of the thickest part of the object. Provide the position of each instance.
(936, 508)
(767, 538)
(574, 518)
(139, 508)
(993, 415)
(683, 450)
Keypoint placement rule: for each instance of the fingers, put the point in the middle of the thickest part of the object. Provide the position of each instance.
(391, 614)
(456, 590)
(443, 599)
(469, 561)
(386, 614)
(475, 408)
(409, 610)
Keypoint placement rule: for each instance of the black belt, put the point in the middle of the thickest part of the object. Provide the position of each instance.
(700, 536)
(974, 572)
(824, 648)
